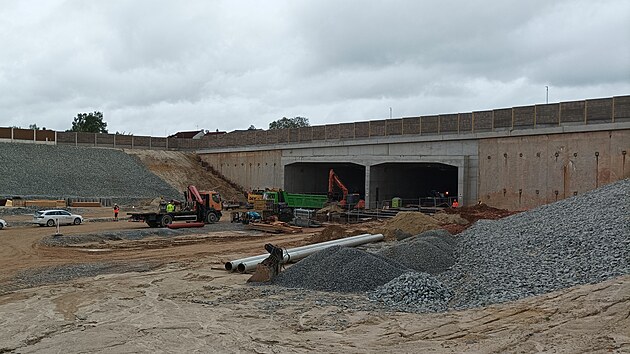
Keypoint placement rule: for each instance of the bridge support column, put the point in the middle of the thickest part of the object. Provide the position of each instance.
(367, 186)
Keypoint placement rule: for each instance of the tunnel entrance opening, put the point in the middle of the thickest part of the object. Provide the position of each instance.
(414, 183)
(312, 177)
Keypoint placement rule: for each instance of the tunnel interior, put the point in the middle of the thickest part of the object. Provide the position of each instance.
(312, 178)
(411, 181)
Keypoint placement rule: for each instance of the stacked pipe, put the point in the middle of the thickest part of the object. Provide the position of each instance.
(294, 254)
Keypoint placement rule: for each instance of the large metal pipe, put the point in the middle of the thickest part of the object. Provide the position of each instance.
(295, 254)
(232, 265)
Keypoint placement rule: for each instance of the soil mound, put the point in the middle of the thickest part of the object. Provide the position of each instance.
(408, 222)
(180, 169)
(480, 211)
(332, 232)
(445, 218)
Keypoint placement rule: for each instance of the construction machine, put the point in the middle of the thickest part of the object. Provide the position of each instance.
(254, 195)
(283, 203)
(198, 208)
(347, 200)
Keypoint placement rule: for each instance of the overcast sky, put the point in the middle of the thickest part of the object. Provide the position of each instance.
(157, 67)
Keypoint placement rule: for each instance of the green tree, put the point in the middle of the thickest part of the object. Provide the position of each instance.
(33, 126)
(296, 122)
(89, 123)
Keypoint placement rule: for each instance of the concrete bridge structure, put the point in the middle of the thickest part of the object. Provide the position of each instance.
(514, 158)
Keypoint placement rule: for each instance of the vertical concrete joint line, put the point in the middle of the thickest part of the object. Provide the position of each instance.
(585, 111)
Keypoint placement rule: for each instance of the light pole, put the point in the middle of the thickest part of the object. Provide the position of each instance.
(390, 112)
(547, 100)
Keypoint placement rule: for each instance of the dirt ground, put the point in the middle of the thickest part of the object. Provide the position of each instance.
(180, 169)
(186, 302)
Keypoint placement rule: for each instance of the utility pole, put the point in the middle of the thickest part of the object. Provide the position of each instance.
(547, 100)
(390, 112)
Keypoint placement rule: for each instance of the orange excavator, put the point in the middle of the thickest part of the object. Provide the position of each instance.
(333, 180)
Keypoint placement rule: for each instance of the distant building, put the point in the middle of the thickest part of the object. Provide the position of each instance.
(196, 134)
(209, 133)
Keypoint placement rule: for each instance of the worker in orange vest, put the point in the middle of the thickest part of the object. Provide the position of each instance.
(116, 210)
(455, 204)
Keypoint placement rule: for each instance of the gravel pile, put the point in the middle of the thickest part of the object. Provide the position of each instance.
(579, 240)
(131, 235)
(431, 252)
(45, 171)
(413, 292)
(340, 269)
(57, 274)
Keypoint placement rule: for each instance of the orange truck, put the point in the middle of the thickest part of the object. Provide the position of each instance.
(201, 207)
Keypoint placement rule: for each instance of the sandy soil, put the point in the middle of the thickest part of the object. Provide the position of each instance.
(188, 303)
(181, 169)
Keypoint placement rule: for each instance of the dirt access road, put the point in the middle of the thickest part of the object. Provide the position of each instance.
(185, 302)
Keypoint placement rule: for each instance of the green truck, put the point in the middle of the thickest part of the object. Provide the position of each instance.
(284, 203)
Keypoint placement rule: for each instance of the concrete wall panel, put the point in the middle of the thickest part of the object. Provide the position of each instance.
(621, 108)
(361, 129)
(319, 132)
(548, 114)
(465, 122)
(572, 112)
(411, 126)
(599, 110)
(377, 128)
(429, 124)
(256, 169)
(524, 117)
(448, 123)
(524, 172)
(502, 118)
(346, 130)
(393, 126)
(482, 121)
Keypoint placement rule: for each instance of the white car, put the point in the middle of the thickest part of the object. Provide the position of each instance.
(3, 224)
(50, 218)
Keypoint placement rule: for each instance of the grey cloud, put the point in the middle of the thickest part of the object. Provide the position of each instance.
(226, 64)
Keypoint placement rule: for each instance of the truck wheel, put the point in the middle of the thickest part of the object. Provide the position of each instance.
(166, 219)
(211, 218)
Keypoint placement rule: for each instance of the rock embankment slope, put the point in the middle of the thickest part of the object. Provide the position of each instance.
(45, 171)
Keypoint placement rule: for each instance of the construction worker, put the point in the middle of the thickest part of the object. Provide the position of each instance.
(455, 203)
(162, 205)
(116, 210)
(170, 207)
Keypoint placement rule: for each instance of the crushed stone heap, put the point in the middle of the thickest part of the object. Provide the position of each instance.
(340, 269)
(431, 252)
(578, 240)
(66, 171)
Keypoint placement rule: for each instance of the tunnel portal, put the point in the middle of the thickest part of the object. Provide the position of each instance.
(312, 178)
(412, 182)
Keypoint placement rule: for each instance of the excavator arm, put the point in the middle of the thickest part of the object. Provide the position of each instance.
(333, 180)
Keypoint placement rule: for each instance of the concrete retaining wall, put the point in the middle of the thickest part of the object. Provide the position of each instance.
(525, 172)
(252, 170)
